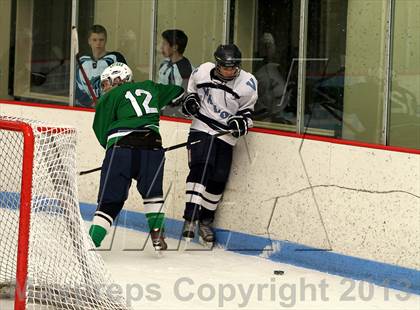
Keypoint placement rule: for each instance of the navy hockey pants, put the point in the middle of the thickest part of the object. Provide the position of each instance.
(120, 166)
(209, 162)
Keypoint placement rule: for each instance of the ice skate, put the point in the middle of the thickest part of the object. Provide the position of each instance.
(158, 239)
(206, 234)
(188, 232)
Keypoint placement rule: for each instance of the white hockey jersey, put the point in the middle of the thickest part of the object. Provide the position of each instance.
(220, 100)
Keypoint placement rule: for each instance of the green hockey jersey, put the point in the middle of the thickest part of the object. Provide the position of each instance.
(130, 106)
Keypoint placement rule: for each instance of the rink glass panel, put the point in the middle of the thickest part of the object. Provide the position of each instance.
(344, 97)
(275, 45)
(405, 87)
(345, 73)
(204, 24)
(130, 31)
(41, 48)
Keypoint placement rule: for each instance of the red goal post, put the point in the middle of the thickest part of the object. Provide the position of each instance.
(25, 205)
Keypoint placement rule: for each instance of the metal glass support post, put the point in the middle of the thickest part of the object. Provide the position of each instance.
(152, 56)
(72, 86)
(386, 113)
(303, 30)
(226, 19)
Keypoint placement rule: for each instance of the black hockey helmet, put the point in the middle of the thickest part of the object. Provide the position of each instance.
(227, 55)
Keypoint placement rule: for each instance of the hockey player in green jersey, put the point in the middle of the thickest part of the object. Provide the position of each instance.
(126, 124)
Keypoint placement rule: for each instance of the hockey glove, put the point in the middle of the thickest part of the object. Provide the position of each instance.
(238, 125)
(191, 104)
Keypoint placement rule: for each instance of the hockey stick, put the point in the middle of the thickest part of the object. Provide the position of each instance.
(177, 146)
(39, 78)
(166, 149)
(82, 70)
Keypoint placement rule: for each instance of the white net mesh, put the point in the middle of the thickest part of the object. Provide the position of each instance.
(62, 270)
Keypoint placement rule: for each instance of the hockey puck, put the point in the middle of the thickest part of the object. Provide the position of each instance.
(278, 272)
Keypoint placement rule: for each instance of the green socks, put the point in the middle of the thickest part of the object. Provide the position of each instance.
(155, 220)
(97, 233)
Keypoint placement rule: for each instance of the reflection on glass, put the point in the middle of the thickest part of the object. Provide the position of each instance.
(325, 66)
(345, 76)
(405, 91)
(50, 48)
(42, 49)
(365, 75)
(129, 26)
(276, 45)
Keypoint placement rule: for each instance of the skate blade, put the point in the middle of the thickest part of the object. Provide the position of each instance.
(206, 244)
(158, 252)
(187, 244)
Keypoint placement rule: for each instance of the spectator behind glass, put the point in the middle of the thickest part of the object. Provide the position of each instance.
(93, 66)
(175, 69)
(273, 97)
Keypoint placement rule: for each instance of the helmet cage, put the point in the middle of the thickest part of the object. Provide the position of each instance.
(224, 78)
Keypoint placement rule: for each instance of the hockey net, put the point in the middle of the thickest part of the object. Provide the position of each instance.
(40, 219)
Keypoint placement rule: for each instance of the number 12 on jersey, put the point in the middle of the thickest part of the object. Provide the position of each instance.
(135, 101)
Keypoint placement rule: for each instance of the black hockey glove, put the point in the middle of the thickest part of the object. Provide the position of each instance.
(239, 125)
(191, 104)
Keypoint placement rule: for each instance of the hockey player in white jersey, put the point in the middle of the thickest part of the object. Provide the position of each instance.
(221, 97)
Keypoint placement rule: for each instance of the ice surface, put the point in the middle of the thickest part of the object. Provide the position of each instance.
(202, 279)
